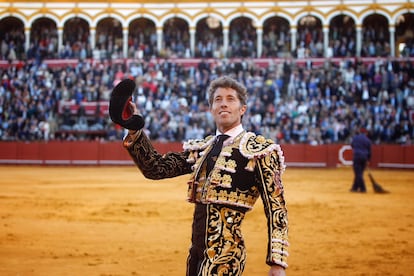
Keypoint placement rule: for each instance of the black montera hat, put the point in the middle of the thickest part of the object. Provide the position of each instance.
(119, 109)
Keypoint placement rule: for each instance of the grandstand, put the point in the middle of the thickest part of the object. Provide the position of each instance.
(314, 69)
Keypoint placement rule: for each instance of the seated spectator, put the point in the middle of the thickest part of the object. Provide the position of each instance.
(309, 104)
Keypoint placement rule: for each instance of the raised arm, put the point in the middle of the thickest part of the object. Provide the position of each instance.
(152, 164)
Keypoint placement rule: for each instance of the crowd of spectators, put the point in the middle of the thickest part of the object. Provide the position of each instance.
(292, 103)
(289, 102)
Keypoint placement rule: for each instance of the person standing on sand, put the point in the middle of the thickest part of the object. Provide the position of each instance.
(361, 154)
(229, 172)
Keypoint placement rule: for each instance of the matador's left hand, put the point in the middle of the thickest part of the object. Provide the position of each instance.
(276, 270)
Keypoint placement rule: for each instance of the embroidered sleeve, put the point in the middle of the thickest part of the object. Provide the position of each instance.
(152, 164)
(271, 191)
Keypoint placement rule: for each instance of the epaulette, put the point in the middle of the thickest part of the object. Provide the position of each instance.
(196, 145)
(254, 147)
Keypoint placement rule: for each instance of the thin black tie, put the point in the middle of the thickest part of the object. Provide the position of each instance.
(215, 151)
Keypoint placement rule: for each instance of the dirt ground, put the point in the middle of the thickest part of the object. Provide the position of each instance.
(112, 221)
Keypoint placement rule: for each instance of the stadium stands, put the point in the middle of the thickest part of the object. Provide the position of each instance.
(292, 104)
(307, 83)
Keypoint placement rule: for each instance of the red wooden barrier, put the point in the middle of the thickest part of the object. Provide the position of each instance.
(112, 153)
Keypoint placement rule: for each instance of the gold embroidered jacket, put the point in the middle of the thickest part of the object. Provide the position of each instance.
(248, 166)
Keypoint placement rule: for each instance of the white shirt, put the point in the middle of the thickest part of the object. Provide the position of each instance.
(232, 133)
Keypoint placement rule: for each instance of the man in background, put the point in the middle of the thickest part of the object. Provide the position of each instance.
(361, 148)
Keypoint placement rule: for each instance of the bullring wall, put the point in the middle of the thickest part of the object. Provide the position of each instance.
(112, 153)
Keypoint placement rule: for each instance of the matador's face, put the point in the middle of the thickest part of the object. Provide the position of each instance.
(226, 109)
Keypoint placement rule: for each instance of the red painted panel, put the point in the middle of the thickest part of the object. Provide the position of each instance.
(8, 150)
(56, 150)
(338, 155)
(293, 153)
(392, 154)
(376, 155)
(87, 150)
(408, 154)
(317, 154)
(28, 151)
(113, 151)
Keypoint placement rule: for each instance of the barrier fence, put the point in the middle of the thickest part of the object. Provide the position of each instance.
(112, 153)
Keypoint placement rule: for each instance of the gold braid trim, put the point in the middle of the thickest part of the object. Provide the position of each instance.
(254, 147)
(194, 146)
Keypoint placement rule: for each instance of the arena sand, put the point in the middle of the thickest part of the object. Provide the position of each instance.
(112, 221)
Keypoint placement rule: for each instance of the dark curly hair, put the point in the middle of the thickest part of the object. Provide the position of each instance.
(227, 82)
